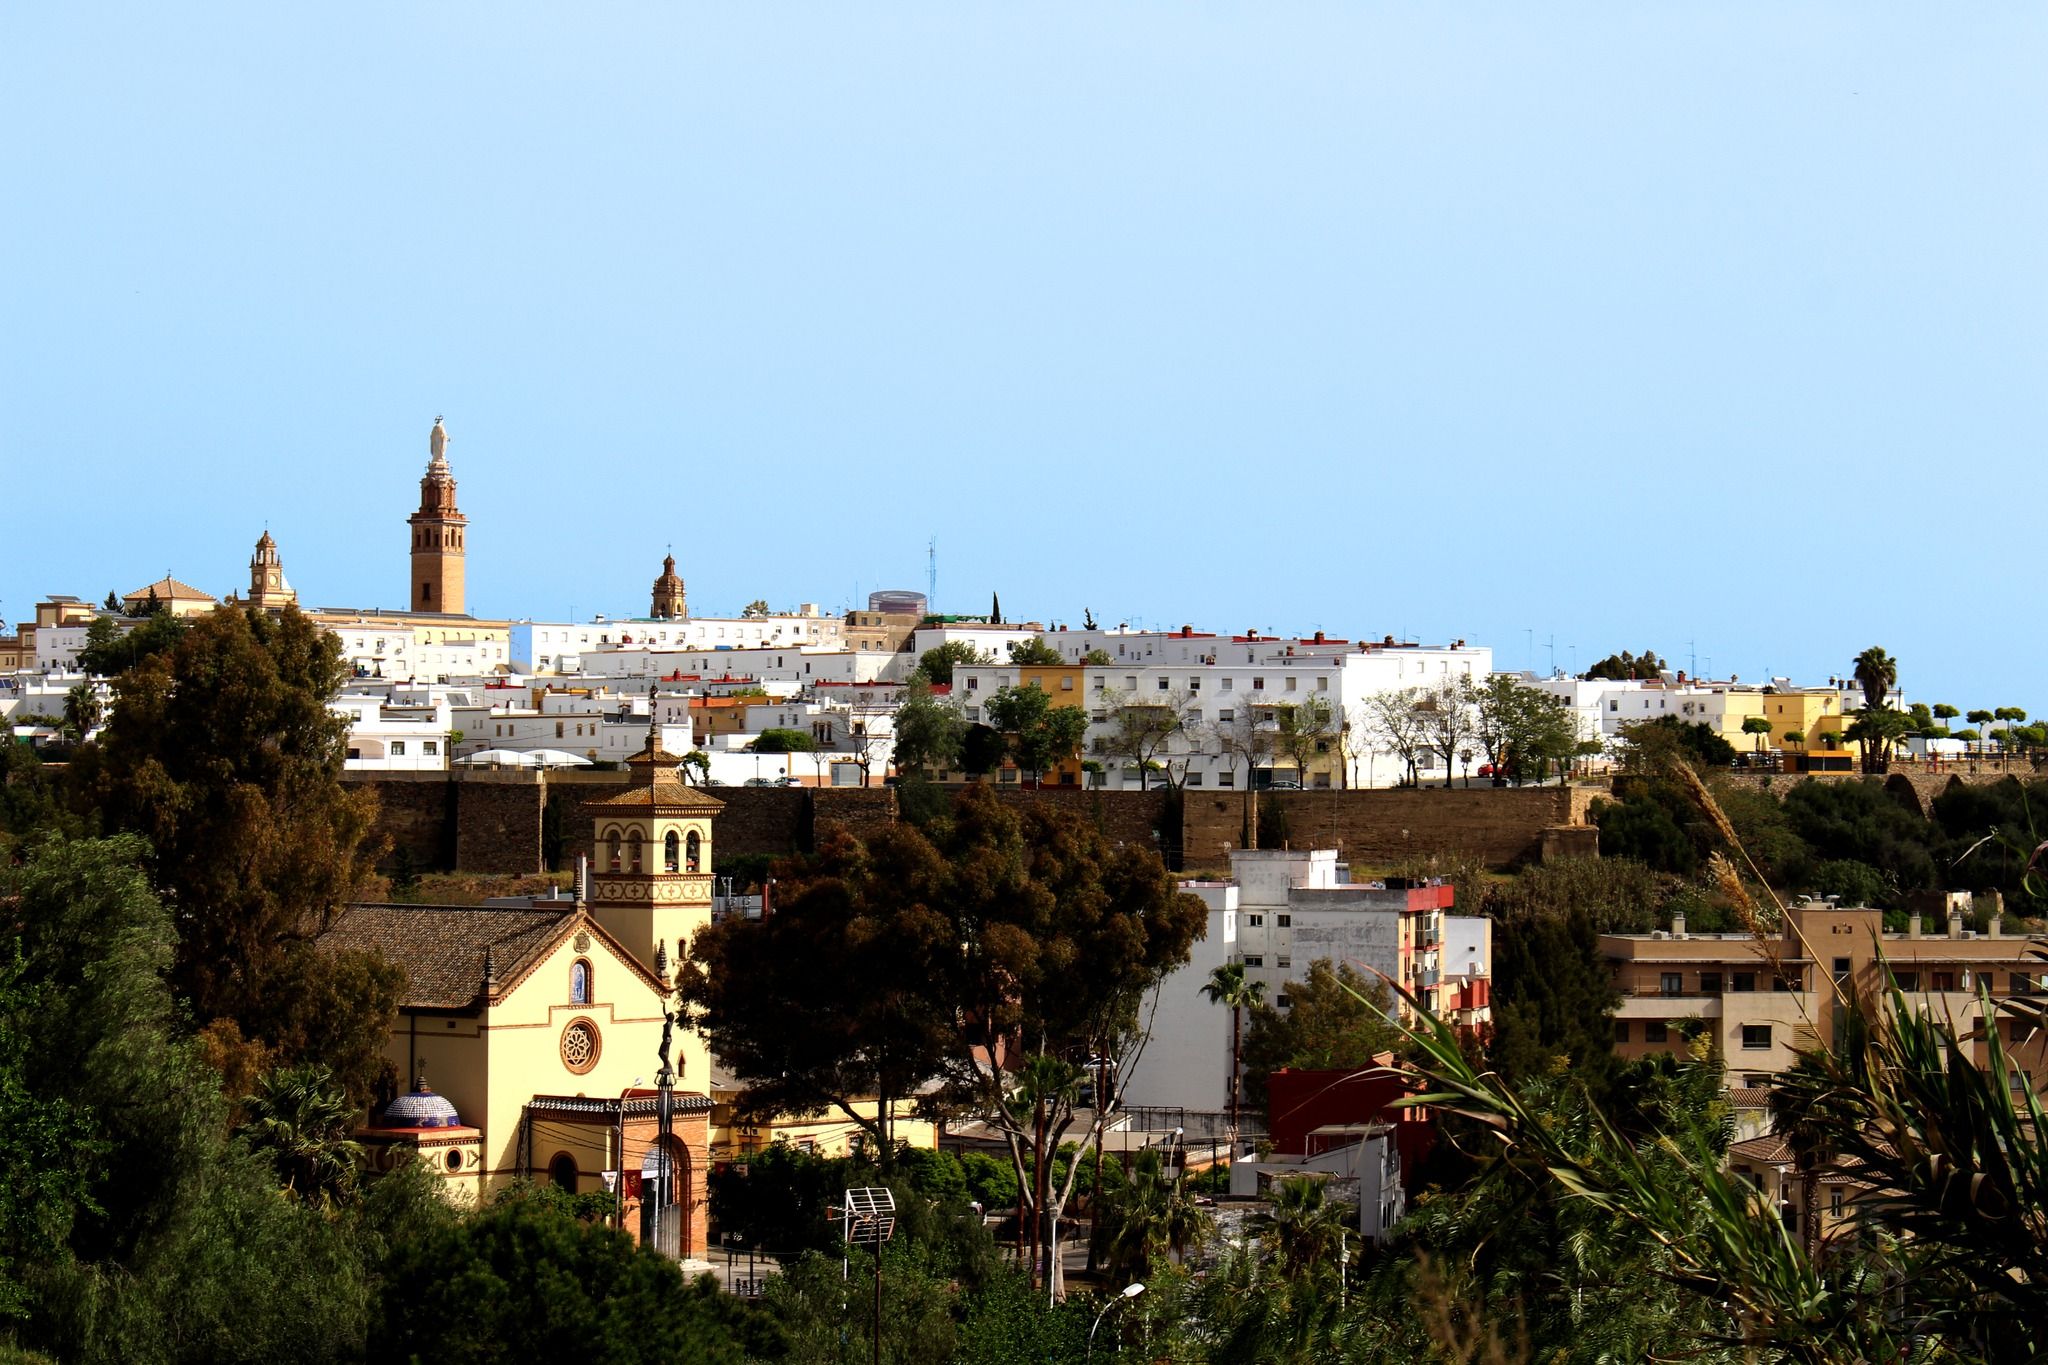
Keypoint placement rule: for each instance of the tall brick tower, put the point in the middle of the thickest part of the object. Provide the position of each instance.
(437, 534)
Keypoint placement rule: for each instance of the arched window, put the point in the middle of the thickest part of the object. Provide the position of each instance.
(696, 847)
(562, 1171)
(579, 983)
(671, 852)
(612, 849)
(633, 851)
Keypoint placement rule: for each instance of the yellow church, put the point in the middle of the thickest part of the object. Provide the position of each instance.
(531, 1037)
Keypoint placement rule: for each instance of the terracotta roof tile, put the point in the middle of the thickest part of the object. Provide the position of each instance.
(441, 947)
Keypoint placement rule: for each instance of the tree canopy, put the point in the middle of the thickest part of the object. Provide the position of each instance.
(938, 662)
(1627, 667)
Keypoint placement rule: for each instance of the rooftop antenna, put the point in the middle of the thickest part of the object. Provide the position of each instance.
(931, 575)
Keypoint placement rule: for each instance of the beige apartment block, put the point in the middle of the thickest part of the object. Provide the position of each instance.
(1764, 999)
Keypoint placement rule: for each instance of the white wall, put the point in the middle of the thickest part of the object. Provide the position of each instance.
(1186, 1061)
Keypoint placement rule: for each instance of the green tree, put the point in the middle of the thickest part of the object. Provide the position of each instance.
(112, 647)
(938, 662)
(1944, 712)
(1034, 653)
(82, 711)
(1148, 1220)
(1877, 673)
(1627, 667)
(1757, 726)
(1553, 999)
(48, 1145)
(1877, 730)
(223, 751)
(524, 1279)
(1450, 717)
(754, 610)
(1097, 658)
(1038, 734)
(1229, 987)
(301, 1121)
(1302, 1227)
(781, 741)
(929, 732)
(1336, 1020)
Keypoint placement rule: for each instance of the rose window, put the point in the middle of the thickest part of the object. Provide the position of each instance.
(580, 1046)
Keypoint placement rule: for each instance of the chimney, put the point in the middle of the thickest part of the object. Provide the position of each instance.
(1913, 925)
(1994, 927)
(1955, 922)
(1678, 924)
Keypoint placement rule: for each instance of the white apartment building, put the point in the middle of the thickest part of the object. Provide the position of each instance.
(559, 647)
(787, 666)
(1186, 1057)
(1249, 675)
(383, 737)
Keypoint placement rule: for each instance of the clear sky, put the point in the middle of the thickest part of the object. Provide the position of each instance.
(1720, 329)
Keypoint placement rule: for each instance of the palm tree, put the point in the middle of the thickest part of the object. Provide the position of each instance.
(301, 1119)
(1302, 1227)
(1228, 986)
(1876, 673)
(1151, 1217)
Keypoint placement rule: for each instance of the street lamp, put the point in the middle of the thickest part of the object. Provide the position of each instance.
(1130, 1291)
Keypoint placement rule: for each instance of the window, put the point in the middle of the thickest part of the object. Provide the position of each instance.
(579, 982)
(1282, 1001)
(2022, 983)
(1226, 716)
(1255, 920)
(1226, 684)
(562, 1172)
(973, 684)
(397, 747)
(1286, 921)
(1841, 969)
(1671, 983)
(1621, 1030)
(558, 729)
(611, 847)
(1614, 706)
(1710, 983)
(671, 852)
(1163, 683)
(1194, 684)
(1130, 682)
(1795, 982)
(1756, 1037)
(1192, 780)
(1226, 779)
(1835, 1201)
(1258, 684)
(1906, 981)
(1066, 684)
(633, 850)
(2020, 1030)
(1656, 1031)
(1285, 962)
(1944, 981)
(1322, 684)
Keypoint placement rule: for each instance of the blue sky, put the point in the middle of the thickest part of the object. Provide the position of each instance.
(1717, 329)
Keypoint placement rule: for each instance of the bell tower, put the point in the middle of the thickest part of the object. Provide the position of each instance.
(669, 601)
(438, 531)
(651, 861)
(268, 590)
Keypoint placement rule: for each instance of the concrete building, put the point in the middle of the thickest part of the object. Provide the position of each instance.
(1764, 999)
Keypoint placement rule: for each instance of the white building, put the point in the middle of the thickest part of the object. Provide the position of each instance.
(560, 647)
(1186, 1061)
(383, 737)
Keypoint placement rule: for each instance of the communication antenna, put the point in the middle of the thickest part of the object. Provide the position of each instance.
(931, 575)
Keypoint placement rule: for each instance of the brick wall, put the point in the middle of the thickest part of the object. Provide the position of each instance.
(1502, 826)
(416, 813)
(1124, 817)
(498, 822)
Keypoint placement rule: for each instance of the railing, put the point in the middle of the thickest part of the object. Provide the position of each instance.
(1196, 1125)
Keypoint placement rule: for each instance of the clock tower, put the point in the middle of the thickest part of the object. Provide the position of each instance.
(650, 883)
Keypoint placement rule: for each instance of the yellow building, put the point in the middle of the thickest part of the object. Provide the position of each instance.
(170, 595)
(1815, 715)
(543, 1026)
(736, 1134)
(1062, 683)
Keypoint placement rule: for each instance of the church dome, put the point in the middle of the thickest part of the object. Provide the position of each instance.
(420, 1109)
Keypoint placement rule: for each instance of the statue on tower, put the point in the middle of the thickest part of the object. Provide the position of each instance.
(437, 443)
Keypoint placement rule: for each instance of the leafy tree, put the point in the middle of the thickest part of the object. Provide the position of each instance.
(48, 1145)
(695, 768)
(1650, 826)
(929, 732)
(981, 749)
(1038, 734)
(1336, 1020)
(782, 741)
(524, 1279)
(1229, 987)
(1248, 739)
(1981, 719)
(1034, 653)
(754, 610)
(1877, 729)
(112, 648)
(1553, 999)
(1627, 667)
(1795, 738)
(1097, 658)
(1649, 745)
(301, 1121)
(1944, 712)
(938, 662)
(991, 926)
(224, 752)
(1860, 822)
(1758, 726)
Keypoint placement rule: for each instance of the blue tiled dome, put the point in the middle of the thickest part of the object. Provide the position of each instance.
(421, 1109)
